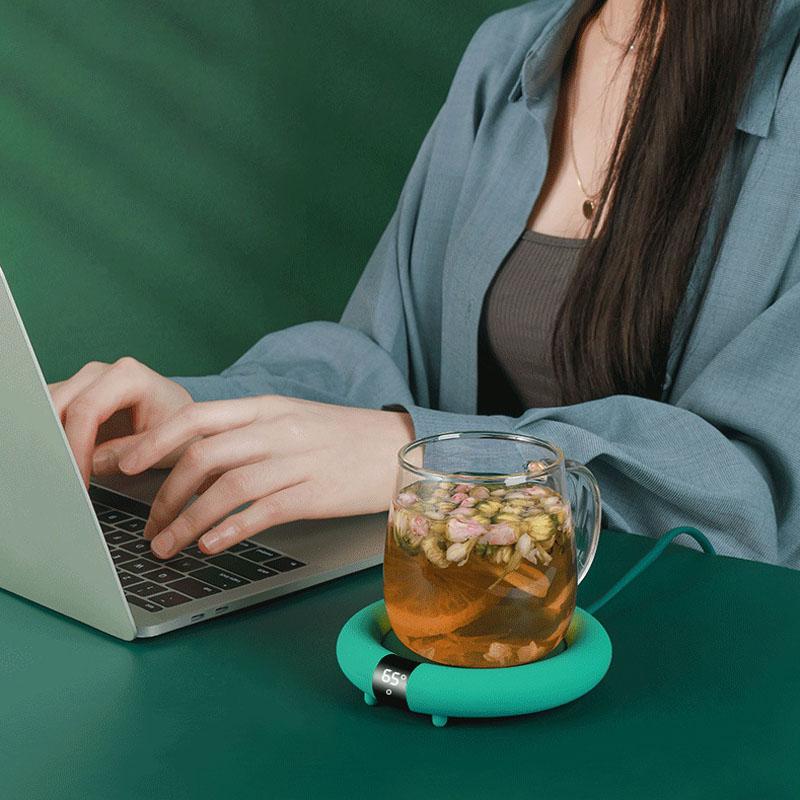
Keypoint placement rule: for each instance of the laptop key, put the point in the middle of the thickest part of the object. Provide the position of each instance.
(113, 516)
(284, 564)
(193, 588)
(120, 556)
(194, 551)
(106, 528)
(140, 566)
(134, 525)
(117, 537)
(240, 547)
(247, 569)
(222, 580)
(126, 579)
(162, 575)
(138, 546)
(99, 508)
(147, 605)
(260, 554)
(145, 589)
(171, 599)
(185, 564)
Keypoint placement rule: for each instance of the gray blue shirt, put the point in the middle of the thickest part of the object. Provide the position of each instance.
(720, 449)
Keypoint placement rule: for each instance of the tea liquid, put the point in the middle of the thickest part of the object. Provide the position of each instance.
(463, 616)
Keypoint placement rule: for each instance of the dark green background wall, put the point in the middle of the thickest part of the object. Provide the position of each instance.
(178, 178)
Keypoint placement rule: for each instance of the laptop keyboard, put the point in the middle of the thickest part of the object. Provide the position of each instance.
(153, 584)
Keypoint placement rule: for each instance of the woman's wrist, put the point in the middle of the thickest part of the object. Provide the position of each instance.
(404, 426)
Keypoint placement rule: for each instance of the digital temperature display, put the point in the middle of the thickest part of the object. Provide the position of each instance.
(390, 679)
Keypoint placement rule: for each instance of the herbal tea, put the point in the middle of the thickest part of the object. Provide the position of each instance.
(479, 575)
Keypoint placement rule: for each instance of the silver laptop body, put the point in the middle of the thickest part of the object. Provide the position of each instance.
(53, 549)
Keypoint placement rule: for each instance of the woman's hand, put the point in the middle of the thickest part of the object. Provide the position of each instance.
(111, 403)
(288, 458)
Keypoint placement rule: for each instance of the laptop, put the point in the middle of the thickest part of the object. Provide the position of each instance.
(82, 553)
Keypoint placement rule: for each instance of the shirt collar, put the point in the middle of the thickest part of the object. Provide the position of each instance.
(543, 60)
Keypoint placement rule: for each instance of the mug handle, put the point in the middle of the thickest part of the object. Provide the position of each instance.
(586, 515)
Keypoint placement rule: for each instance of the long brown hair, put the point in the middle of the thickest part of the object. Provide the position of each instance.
(613, 331)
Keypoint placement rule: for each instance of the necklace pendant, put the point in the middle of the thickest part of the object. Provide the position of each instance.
(588, 209)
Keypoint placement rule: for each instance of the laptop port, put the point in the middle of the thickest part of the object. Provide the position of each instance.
(197, 617)
(220, 609)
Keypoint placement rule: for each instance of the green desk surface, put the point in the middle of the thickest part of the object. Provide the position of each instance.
(702, 700)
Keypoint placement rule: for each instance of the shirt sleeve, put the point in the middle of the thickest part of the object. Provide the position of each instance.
(725, 457)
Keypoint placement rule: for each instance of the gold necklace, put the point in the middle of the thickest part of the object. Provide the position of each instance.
(607, 36)
(590, 203)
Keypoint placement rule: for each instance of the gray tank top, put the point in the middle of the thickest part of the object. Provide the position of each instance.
(515, 370)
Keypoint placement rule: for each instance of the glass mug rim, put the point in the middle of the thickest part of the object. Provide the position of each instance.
(550, 465)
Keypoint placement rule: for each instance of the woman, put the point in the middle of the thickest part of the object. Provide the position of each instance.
(596, 245)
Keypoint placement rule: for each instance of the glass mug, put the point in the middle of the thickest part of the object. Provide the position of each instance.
(489, 535)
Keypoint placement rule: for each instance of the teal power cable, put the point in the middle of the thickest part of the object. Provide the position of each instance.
(640, 566)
